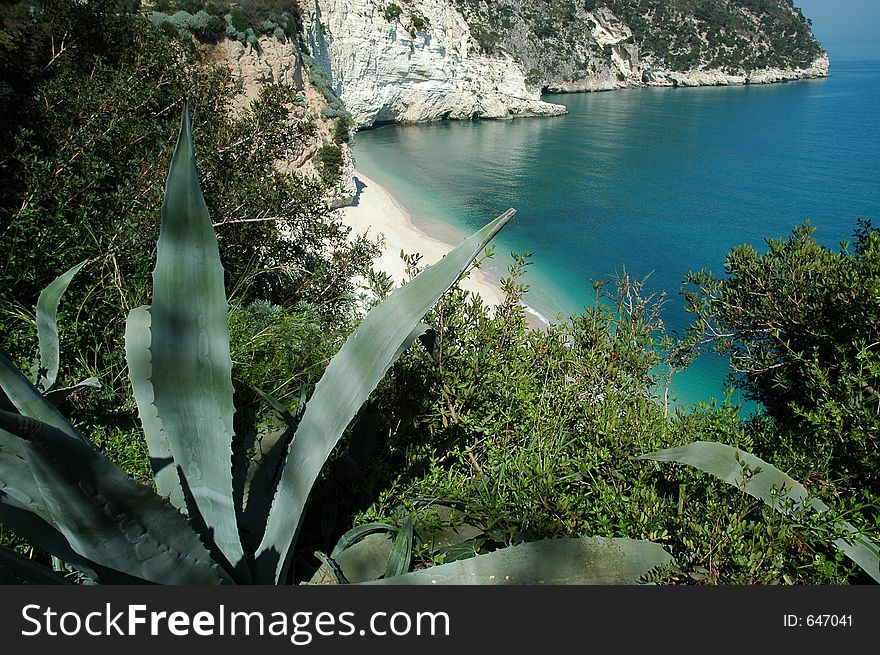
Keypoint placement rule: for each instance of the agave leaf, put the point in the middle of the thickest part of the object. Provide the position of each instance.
(30, 402)
(770, 485)
(362, 561)
(349, 379)
(356, 534)
(47, 326)
(140, 370)
(43, 535)
(401, 550)
(255, 479)
(329, 570)
(588, 560)
(16, 479)
(417, 332)
(279, 407)
(105, 515)
(57, 396)
(189, 347)
(240, 574)
(16, 569)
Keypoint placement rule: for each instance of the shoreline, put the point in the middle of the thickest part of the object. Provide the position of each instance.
(376, 213)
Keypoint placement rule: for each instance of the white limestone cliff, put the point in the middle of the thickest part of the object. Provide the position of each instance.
(409, 70)
(716, 77)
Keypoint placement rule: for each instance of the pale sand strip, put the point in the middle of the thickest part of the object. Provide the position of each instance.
(375, 212)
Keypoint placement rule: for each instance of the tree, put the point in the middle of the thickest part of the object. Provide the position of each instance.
(801, 324)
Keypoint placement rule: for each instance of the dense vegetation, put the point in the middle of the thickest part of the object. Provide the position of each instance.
(534, 437)
(91, 99)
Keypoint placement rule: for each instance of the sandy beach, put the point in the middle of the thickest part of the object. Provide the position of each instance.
(375, 212)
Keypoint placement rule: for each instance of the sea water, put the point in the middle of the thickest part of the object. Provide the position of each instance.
(655, 181)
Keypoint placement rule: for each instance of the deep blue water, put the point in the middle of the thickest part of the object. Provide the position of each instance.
(657, 181)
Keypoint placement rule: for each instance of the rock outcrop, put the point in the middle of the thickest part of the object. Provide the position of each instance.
(273, 61)
(424, 60)
(418, 65)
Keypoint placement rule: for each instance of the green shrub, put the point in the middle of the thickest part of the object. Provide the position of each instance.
(238, 20)
(342, 130)
(190, 6)
(778, 315)
(329, 157)
(485, 38)
(392, 12)
(534, 77)
(536, 437)
(216, 8)
(419, 22)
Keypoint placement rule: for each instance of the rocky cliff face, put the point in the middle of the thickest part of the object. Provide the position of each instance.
(423, 60)
(272, 61)
(413, 64)
(590, 45)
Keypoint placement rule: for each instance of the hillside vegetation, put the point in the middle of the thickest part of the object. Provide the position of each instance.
(563, 44)
(484, 434)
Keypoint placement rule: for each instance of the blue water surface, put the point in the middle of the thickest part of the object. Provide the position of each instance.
(654, 181)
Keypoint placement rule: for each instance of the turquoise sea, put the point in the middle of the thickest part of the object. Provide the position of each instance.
(654, 181)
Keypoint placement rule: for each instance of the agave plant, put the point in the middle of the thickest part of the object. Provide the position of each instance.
(776, 489)
(215, 518)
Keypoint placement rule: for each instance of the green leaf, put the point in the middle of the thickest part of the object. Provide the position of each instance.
(47, 326)
(770, 485)
(16, 569)
(460, 550)
(256, 478)
(140, 370)
(43, 535)
(349, 379)
(330, 568)
(356, 534)
(30, 402)
(189, 348)
(364, 560)
(16, 479)
(584, 561)
(105, 515)
(401, 550)
(57, 396)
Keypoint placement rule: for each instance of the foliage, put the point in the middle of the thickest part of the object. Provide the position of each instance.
(488, 40)
(729, 35)
(392, 12)
(671, 34)
(776, 489)
(419, 22)
(318, 78)
(342, 129)
(243, 20)
(201, 24)
(534, 77)
(75, 503)
(178, 355)
(281, 350)
(536, 437)
(329, 158)
(84, 159)
(801, 324)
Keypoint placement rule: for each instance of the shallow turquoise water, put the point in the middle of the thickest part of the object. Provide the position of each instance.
(657, 181)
